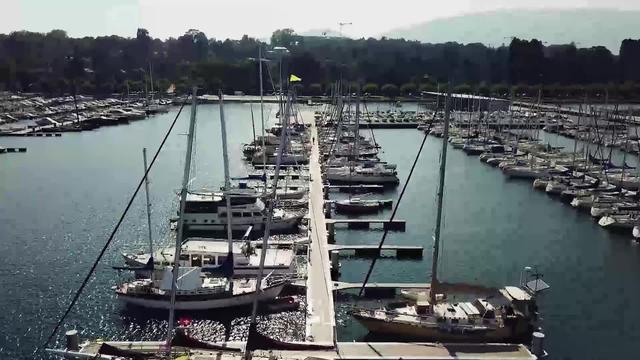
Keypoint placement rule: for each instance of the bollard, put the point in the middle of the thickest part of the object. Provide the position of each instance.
(537, 344)
(73, 341)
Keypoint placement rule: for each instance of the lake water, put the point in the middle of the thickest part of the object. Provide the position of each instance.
(60, 201)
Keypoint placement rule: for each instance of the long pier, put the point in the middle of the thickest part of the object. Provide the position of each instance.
(321, 321)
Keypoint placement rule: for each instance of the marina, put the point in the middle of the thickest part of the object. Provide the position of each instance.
(365, 181)
(322, 324)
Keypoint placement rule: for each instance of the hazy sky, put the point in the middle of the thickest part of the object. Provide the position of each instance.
(257, 18)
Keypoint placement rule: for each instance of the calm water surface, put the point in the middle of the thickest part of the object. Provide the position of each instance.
(60, 201)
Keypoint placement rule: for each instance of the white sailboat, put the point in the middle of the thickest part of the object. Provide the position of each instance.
(192, 288)
(211, 254)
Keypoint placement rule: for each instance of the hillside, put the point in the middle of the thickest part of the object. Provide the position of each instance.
(585, 27)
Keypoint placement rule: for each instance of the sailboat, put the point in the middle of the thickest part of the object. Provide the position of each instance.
(356, 173)
(211, 254)
(507, 315)
(196, 287)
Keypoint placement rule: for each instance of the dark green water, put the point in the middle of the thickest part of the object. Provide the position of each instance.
(60, 200)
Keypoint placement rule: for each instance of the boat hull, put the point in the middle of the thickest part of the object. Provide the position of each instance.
(182, 303)
(357, 208)
(434, 333)
(276, 226)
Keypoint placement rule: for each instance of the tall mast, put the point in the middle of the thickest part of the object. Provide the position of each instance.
(183, 197)
(356, 152)
(151, 80)
(575, 140)
(264, 148)
(253, 123)
(436, 234)
(267, 226)
(227, 183)
(515, 144)
(146, 192)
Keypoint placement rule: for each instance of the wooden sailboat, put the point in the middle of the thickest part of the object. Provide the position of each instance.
(508, 315)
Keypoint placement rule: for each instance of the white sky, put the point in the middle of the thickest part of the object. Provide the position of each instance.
(257, 18)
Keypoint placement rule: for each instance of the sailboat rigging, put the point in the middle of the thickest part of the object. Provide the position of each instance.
(505, 315)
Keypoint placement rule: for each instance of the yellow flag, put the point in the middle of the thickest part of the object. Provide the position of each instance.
(294, 78)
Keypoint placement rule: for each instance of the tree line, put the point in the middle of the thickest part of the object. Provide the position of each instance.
(54, 63)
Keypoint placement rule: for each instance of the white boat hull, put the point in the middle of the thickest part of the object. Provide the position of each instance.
(216, 303)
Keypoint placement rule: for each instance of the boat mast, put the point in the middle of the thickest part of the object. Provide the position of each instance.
(146, 192)
(515, 144)
(267, 226)
(264, 148)
(356, 152)
(443, 165)
(253, 123)
(151, 81)
(183, 197)
(227, 183)
(575, 140)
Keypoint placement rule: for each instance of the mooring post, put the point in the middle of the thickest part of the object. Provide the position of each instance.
(327, 210)
(331, 233)
(335, 260)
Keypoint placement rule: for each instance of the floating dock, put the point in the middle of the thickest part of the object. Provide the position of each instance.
(12, 149)
(395, 225)
(401, 251)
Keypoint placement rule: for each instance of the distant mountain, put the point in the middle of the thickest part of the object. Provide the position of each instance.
(585, 27)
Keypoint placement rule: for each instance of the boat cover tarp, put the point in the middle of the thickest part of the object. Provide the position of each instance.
(257, 341)
(182, 338)
(106, 349)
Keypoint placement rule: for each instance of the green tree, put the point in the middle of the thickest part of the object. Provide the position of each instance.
(370, 88)
(408, 89)
(389, 90)
(501, 90)
(428, 87)
(284, 37)
(463, 89)
(315, 89)
(298, 88)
